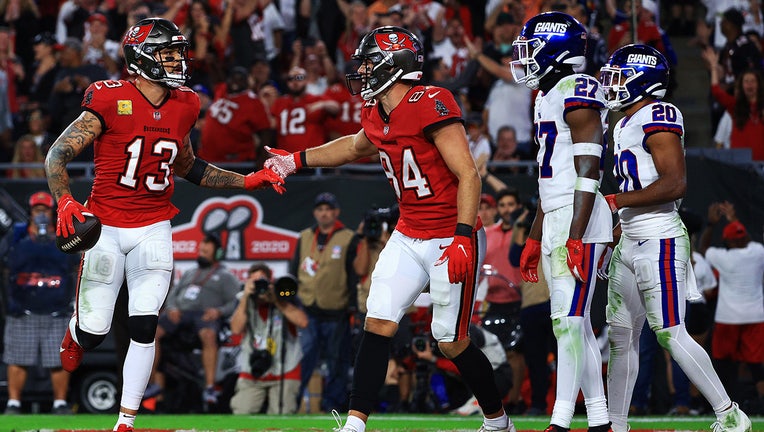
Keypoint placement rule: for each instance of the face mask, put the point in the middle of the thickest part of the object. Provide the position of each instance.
(203, 262)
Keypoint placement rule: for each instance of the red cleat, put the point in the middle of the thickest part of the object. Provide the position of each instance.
(71, 353)
(124, 428)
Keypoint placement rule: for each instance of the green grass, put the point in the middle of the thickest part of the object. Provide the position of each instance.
(377, 423)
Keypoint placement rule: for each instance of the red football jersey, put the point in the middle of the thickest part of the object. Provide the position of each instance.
(348, 121)
(229, 126)
(424, 185)
(298, 129)
(135, 151)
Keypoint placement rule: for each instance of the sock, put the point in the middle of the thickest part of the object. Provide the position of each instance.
(356, 423)
(369, 372)
(622, 369)
(135, 373)
(14, 403)
(59, 403)
(596, 411)
(570, 367)
(500, 422)
(695, 363)
(125, 419)
(477, 374)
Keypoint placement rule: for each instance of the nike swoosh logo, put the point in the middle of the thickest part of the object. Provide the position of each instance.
(432, 95)
(462, 249)
(640, 243)
(441, 247)
(61, 349)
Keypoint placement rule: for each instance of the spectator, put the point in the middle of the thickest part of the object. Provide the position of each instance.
(508, 103)
(268, 93)
(27, 152)
(487, 209)
(245, 42)
(260, 71)
(44, 70)
(504, 281)
(739, 317)
(319, 69)
(201, 300)
(269, 317)
(538, 339)
(38, 123)
(99, 50)
(507, 148)
(40, 293)
(71, 81)
(301, 117)
(348, 120)
(452, 48)
(745, 106)
(236, 125)
(72, 17)
(23, 16)
(739, 54)
(201, 28)
(480, 144)
(323, 263)
(710, 31)
(356, 26)
(12, 66)
(648, 32)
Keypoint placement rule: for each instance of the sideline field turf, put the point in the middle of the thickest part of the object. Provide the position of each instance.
(324, 422)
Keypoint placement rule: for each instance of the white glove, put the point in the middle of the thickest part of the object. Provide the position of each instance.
(282, 162)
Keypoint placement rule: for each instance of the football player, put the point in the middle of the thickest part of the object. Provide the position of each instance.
(650, 274)
(140, 132)
(438, 241)
(233, 120)
(572, 224)
(301, 117)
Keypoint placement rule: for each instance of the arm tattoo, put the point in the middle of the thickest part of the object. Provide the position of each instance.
(218, 178)
(78, 135)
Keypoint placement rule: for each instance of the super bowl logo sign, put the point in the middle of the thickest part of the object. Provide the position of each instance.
(237, 221)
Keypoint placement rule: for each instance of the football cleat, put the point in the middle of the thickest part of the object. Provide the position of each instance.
(510, 428)
(555, 428)
(124, 428)
(734, 420)
(71, 353)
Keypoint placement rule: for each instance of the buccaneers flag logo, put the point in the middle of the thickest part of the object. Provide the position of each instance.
(394, 42)
(137, 34)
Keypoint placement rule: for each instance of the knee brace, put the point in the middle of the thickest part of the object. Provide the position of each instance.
(88, 341)
(142, 328)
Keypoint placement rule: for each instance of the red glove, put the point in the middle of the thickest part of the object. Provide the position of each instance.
(459, 255)
(68, 209)
(529, 260)
(576, 259)
(263, 178)
(611, 203)
(282, 162)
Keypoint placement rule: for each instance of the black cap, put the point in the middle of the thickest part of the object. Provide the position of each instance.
(734, 16)
(45, 37)
(328, 199)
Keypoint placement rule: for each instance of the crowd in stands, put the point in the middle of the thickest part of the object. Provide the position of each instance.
(271, 73)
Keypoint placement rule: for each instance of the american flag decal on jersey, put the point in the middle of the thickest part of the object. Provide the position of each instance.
(440, 107)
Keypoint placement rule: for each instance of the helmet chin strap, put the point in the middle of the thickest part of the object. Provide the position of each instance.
(383, 87)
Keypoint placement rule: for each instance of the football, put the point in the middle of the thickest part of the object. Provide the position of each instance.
(85, 235)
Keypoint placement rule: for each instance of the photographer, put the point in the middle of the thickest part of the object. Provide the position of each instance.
(270, 352)
(455, 390)
(373, 232)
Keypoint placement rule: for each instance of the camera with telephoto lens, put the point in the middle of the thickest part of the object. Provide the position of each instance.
(259, 362)
(377, 220)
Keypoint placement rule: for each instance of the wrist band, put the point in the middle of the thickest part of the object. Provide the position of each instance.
(585, 184)
(587, 149)
(463, 230)
(303, 160)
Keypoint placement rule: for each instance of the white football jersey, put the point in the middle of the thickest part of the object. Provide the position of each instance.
(635, 170)
(557, 173)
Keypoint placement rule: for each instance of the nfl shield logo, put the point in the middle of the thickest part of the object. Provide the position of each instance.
(157, 115)
(386, 129)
